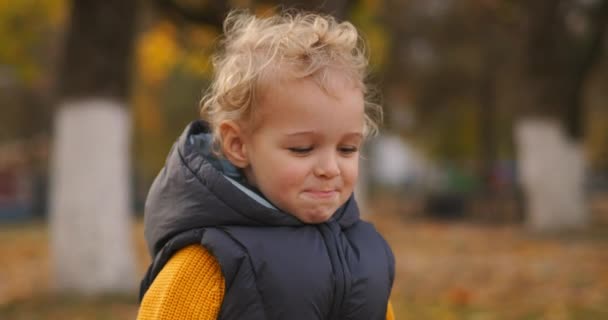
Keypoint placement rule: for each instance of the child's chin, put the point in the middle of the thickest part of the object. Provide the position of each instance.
(315, 217)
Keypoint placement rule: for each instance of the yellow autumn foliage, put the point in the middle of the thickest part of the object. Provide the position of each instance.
(365, 16)
(157, 53)
(26, 26)
(201, 40)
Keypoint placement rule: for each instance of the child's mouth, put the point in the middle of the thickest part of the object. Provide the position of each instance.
(321, 194)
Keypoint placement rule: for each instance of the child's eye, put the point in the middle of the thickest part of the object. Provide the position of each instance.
(348, 150)
(300, 150)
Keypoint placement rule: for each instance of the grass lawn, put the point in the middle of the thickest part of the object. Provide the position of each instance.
(444, 271)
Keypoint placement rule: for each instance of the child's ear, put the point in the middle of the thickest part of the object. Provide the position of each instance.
(233, 143)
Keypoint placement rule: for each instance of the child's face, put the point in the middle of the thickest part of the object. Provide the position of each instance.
(304, 152)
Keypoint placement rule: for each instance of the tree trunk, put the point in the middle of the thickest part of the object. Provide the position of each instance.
(90, 200)
(550, 135)
(552, 175)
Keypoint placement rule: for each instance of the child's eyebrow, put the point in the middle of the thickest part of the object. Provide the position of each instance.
(355, 134)
(304, 133)
(300, 133)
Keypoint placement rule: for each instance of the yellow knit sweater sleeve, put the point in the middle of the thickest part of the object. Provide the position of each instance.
(190, 286)
(389, 312)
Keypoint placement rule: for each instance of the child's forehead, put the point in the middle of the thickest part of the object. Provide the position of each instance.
(300, 97)
(279, 78)
(297, 94)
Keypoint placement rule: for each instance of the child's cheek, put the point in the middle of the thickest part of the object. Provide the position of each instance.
(352, 173)
(291, 176)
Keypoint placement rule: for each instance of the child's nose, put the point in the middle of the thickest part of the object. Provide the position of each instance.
(327, 166)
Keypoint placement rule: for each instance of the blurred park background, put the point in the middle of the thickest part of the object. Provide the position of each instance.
(489, 180)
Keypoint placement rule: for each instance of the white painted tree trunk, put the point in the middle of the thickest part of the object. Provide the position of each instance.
(90, 216)
(552, 172)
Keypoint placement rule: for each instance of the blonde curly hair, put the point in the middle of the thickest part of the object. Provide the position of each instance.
(295, 44)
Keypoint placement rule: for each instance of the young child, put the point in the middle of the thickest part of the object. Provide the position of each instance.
(253, 215)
